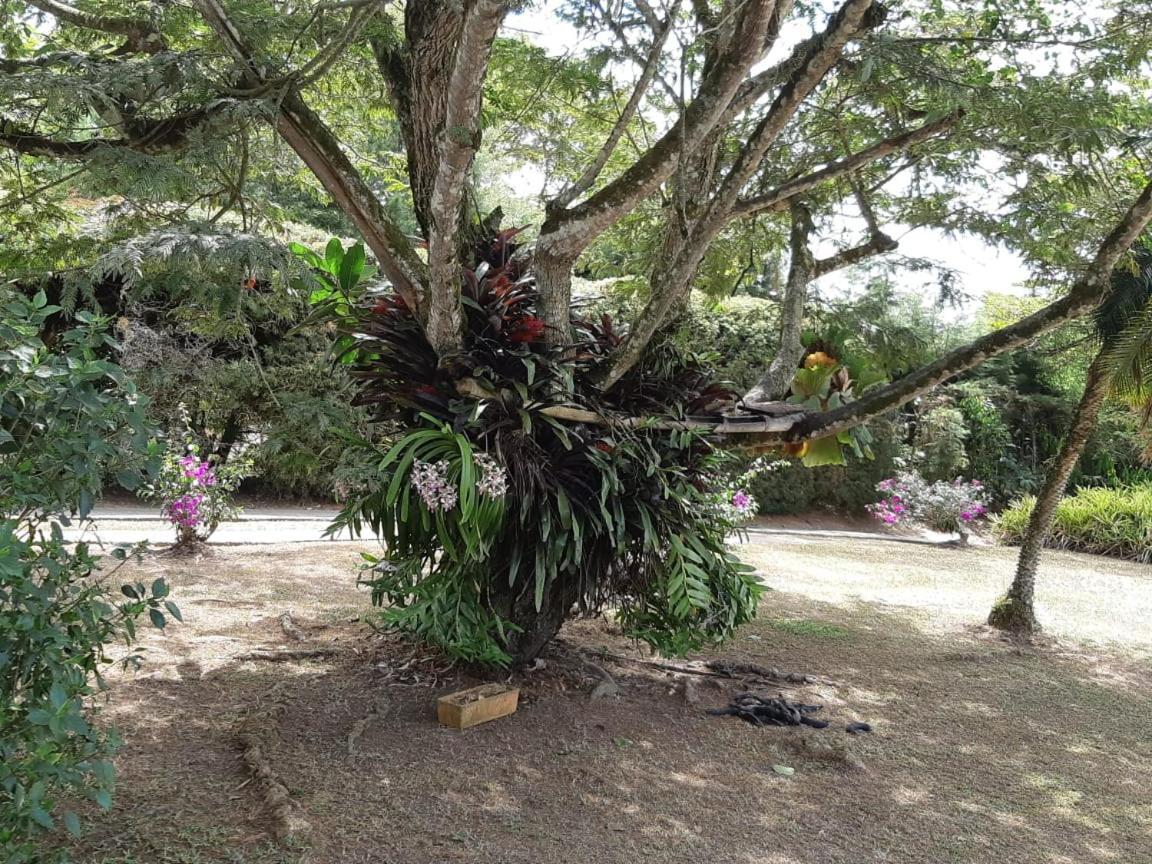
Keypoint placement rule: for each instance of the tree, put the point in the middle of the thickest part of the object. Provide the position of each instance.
(721, 129)
(1123, 336)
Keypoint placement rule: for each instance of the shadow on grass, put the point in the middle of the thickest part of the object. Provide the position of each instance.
(982, 751)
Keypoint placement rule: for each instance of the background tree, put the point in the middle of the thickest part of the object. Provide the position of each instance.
(1121, 327)
(722, 131)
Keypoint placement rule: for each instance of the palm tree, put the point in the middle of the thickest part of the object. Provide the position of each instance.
(1122, 366)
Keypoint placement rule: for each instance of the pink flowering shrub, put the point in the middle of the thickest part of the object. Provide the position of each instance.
(195, 495)
(942, 506)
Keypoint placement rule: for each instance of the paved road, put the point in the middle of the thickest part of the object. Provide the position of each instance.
(113, 523)
(124, 522)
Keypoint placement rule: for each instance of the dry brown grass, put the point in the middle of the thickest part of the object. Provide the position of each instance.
(983, 751)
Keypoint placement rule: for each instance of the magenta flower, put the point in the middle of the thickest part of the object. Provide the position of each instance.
(198, 471)
(185, 510)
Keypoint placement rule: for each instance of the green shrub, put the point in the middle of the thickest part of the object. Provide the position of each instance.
(837, 488)
(939, 442)
(68, 417)
(1102, 521)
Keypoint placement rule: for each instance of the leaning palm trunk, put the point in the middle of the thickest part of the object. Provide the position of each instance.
(1014, 612)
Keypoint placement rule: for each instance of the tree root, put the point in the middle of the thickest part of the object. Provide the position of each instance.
(1012, 616)
(286, 656)
(288, 826)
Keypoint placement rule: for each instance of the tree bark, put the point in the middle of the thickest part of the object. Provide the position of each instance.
(417, 74)
(1015, 611)
(773, 384)
(459, 139)
(533, 629)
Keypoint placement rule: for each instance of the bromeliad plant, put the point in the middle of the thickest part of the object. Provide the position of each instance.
(951, 507)
(518, 500)
(484, 555)
(194, 493)
(824, 383)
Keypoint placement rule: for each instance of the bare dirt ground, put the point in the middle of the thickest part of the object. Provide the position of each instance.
(982, 751)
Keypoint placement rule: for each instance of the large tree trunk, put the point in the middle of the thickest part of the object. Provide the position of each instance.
(417, 75)
(534, 629)
(1014, 612)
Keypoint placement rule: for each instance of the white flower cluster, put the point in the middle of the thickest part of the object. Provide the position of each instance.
(430, 479)
(494, 479)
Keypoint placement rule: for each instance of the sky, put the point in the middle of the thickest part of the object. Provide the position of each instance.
(980, 267)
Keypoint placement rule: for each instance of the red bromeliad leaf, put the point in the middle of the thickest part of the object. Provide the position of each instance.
(527, 329)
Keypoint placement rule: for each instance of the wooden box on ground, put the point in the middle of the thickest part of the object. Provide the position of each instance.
(477, 705)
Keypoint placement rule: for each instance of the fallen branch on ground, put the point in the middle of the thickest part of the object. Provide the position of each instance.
(718, 669)
(751, 670)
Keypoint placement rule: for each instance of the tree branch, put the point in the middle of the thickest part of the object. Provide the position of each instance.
(626, 43)
(773, 384)
(147, 136)
(585, 181)
(318, 147)
(676, 283)
(459, 142)
(141, 34)
(1085, 295)
(567, 232)
(877, 244)
(777, 199)
(760, 83)
(849, 20)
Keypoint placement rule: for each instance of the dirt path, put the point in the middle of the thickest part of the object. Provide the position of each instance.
(982, 752)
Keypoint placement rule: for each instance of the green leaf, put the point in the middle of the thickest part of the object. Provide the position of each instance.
(823, 451)
(72, 823)
(40, 817)
(173, 610)
(351, 267)
(157, 618)
(784, 770)
(333, 256)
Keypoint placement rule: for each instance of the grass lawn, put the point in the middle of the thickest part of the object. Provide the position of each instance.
(982, 751)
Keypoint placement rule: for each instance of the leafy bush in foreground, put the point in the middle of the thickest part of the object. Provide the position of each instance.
(1102, 521)
(67, 418)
